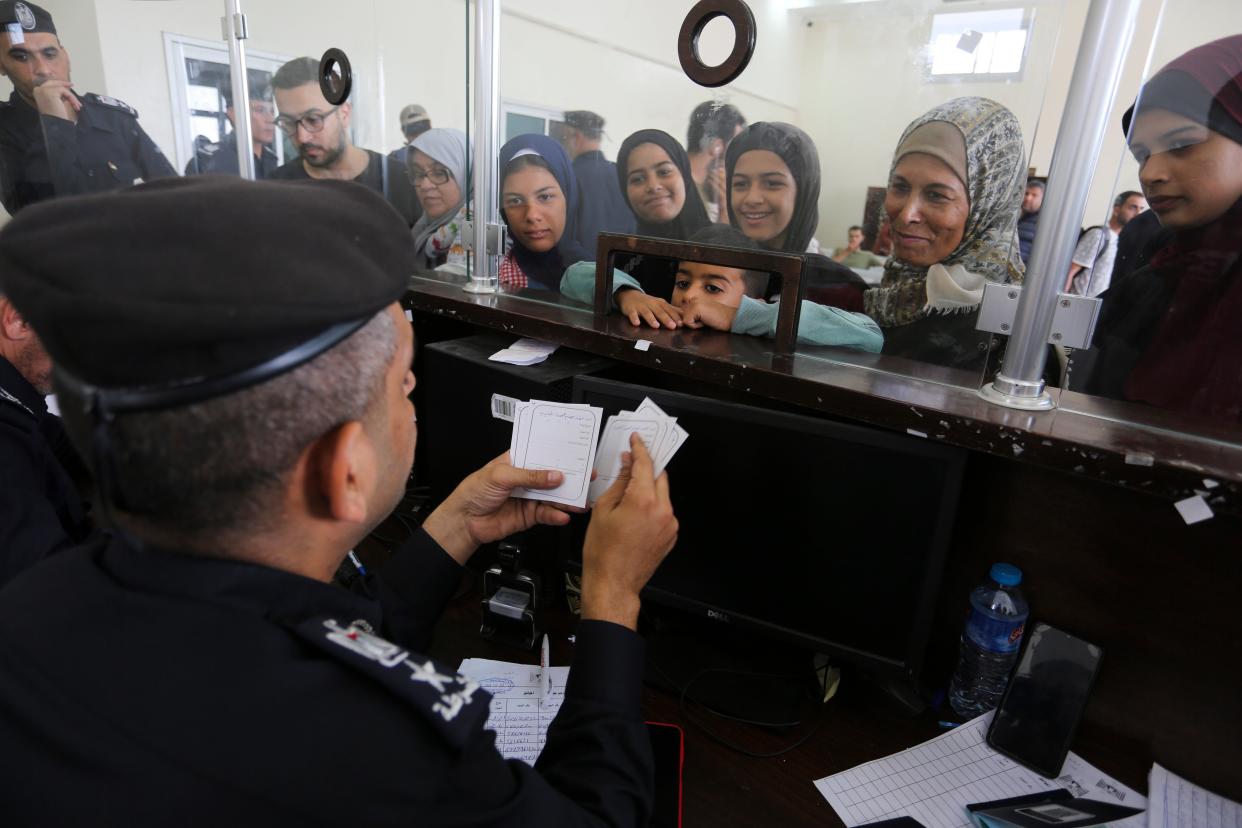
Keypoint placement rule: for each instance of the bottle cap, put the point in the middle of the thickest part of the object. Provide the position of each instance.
(1006, 574)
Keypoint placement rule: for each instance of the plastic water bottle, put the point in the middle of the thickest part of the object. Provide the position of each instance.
(990, 642)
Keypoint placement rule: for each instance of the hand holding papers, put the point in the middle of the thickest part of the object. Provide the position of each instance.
(564, 436)
(548, 435)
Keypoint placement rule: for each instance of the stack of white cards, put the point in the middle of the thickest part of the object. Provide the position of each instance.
(564, 436)
(659, 432)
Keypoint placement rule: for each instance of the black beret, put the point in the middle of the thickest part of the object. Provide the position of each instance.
(28, 16)
(183, 280)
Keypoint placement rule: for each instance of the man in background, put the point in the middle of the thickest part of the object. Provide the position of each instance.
(221, 157)
(53, 141)
(602, 207)
(1091, 269)
(852, 255)
(712, 126)
(1032, 201)
(320, 133)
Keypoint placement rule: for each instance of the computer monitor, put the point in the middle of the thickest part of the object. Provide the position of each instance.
(826, 535)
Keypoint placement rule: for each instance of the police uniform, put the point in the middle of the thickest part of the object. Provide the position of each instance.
(40, 509)
(220, 158)
(147, 686)
(42, 156)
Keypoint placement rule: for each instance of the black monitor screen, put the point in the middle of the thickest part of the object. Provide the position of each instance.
(827, 534)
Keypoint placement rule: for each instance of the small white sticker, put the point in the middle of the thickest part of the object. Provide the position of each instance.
(503, 407)
(1194, 509)
(1139, 458)
(642, 344)
(409, 314)
(1209, 483)
(914, 433)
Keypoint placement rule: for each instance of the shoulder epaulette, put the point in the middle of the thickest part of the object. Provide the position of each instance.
(111, 103)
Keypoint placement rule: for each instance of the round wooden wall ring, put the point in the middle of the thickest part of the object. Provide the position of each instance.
(336, 76)
(705, 11)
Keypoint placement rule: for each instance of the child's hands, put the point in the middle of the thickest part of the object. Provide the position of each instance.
(638, 307)
(702, 312)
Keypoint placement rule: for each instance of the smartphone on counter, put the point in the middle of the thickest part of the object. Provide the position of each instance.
(1039, 713)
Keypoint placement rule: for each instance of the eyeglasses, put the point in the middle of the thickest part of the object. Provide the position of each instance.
(437, 175)
(311, 122)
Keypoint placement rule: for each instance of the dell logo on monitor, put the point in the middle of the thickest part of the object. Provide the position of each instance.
(717, 615)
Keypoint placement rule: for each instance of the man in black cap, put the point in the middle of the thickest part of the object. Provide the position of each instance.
(250, 422)
(602, 206)
(53, 141)
(40, 509)
(220, 157)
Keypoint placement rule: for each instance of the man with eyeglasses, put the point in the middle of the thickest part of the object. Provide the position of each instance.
(221, 156)
(53, 140)
(320, 132)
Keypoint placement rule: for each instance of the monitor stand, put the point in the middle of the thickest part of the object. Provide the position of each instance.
(736, 673)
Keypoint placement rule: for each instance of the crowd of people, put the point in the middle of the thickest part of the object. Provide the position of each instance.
(246, 423)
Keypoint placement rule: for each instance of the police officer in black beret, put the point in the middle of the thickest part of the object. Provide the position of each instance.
(250, 422)
(53, 141)
(41, 511)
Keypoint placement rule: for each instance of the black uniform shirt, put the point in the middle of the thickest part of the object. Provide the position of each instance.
(221, 158)
(145, 687)
(46, 156)
(40, 509)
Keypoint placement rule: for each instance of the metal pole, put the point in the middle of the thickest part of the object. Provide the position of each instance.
(1106, 38)
(485, 261)
(236, 34)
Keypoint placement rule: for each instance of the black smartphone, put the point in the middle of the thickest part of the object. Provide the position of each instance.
(1047, 692)
(668, 745)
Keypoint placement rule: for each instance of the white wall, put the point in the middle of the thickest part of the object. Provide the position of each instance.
(620, 60)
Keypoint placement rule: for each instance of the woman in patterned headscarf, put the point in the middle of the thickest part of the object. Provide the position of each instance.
(953, 201)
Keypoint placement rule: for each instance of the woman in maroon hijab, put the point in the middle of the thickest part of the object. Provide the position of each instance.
(1171, 334)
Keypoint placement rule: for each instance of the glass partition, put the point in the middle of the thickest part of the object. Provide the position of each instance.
(153, 96)
(795, 154)
(1167, 348)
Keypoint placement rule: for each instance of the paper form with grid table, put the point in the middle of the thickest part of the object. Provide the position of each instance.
(935, 781)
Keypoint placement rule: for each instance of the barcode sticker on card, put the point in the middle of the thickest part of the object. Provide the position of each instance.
(503, 407)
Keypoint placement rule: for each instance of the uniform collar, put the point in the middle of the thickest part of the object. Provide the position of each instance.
(19, 388)
(281, 596)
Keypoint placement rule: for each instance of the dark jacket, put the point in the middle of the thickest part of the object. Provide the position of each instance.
(221, 158)
(602, 206)
(383, 174)
(40, 509)
(1027, 225)
(146, 687)
(45, 156)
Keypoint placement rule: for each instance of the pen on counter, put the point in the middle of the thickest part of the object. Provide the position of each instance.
(545, 675)
(362, 570)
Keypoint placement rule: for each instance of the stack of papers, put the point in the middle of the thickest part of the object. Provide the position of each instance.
(525, 700)
(566, 437)
(659, 432)
(1176, 802)
(935, 781)
(524, 352)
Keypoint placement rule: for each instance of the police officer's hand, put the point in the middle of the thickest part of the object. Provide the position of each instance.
(55, 97)
(480, 510)
(632, 528)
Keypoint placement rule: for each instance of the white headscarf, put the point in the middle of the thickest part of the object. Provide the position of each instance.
(450, 148)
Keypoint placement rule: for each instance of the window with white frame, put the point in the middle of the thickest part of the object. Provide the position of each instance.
(979, 45)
